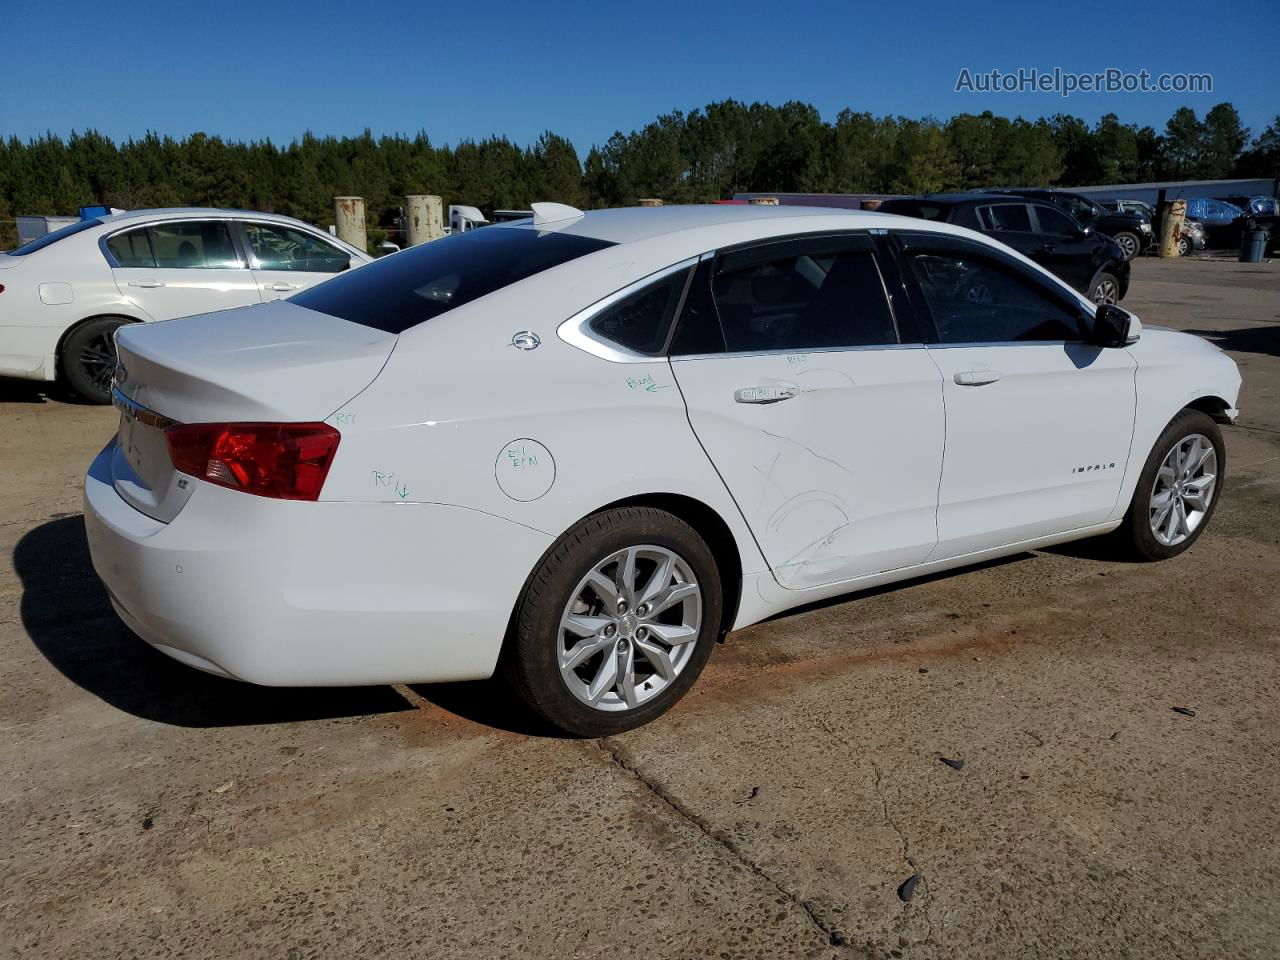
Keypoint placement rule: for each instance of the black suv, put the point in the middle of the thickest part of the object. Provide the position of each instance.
(1128, 228)
(1092, 263)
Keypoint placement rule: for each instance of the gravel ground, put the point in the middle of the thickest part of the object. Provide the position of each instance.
(147, 810)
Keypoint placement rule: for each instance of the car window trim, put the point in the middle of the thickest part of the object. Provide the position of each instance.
(577, 332)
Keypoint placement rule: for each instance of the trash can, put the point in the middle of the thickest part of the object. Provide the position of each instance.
(1253, 245)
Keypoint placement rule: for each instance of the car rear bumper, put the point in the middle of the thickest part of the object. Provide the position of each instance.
(286, 593)
(28, 352)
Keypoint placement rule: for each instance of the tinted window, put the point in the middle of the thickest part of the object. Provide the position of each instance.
(975, 300)
(132, 248)
(698, 330)
(1005, 216)
(408, 288)
(278, 247)
(641, 320)
(39, 243)
(1055, 221)
(197, 245)
(823, 298)
(915, 208)
(1078, 207)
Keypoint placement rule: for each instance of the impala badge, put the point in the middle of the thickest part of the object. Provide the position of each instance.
(526, 340)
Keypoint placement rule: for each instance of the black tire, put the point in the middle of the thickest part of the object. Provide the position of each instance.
(1135, 538)
(89, 358)
(1102, 282)
(1130, 243)
(1184, 246)
(530, 662)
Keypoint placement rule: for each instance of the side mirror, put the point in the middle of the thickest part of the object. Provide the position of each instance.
(1113, 326)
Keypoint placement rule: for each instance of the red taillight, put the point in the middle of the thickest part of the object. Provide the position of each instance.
(288, 461)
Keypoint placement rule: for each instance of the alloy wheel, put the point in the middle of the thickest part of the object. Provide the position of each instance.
(1128, 245)
(1105, 292)
(1183, 489)
(629, 628)
(97, 360)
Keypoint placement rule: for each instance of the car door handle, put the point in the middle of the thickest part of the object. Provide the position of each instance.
(146, 284)
(282, 286)
(769, 393)
(976, 378)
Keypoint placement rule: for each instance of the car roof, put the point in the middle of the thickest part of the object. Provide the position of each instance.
(955, 199)
(632, 224)
(168, 213)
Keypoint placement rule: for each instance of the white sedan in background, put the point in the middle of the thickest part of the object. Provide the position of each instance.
(580, 448)
(63, 296)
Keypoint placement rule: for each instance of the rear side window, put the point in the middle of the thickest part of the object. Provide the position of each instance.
(807, 299)
(1005, 216)
(132, 248)
(194, 245)
(641, 320)
(406, 289)
(39, 243)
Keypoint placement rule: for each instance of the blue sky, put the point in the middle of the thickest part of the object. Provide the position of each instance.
(586, 69)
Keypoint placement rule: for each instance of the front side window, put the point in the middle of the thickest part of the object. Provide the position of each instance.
(1005, 216)
(132, 248)
(976, 300)
(193, 245)
(1079, 208)
(640, 321)
(277, 247)
(420, 283)
(809, 299)
(1055, 221)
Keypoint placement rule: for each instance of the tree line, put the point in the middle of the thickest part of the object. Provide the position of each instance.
(705, 154)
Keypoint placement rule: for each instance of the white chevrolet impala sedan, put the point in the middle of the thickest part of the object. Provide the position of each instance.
(581, 448)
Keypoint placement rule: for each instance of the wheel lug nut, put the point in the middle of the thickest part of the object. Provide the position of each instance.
(642, 633)
(610, 630)
(642, 610)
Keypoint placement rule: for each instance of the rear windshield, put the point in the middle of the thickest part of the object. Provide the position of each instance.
(914, 208)
(405, 289)
(39, 243)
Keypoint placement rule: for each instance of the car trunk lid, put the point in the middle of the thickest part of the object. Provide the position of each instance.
(274, 362)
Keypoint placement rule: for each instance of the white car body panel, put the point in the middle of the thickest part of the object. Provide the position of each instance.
(809, 473)
(32, 328)
(166, 294)
(463, 458)
(1039, 449)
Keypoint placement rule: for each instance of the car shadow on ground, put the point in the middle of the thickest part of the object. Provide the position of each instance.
(489, 703)
(1260, 339)
(36, 391)
(65, 611)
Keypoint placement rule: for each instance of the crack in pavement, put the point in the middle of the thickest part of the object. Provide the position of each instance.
(903, 842)
(618, 755)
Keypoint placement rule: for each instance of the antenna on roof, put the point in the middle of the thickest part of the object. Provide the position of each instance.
(553, 213)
